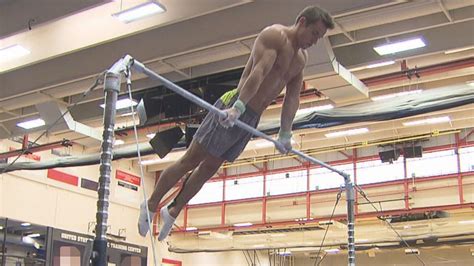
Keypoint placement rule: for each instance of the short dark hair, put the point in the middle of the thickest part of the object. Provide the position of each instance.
(315, 13)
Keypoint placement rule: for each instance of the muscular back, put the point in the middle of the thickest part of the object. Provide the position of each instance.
(276, 55)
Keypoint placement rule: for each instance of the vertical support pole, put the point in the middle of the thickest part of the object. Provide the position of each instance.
(111, 87)
(350, 221)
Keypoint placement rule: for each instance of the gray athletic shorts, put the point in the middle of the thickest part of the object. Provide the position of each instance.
(225, 143)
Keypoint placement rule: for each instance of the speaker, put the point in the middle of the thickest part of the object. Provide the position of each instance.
(165, 140)
(190, 130)
(389, 156)
(413, 152)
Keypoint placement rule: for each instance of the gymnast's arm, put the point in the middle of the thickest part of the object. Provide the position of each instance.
(263, 57)
(291, 103)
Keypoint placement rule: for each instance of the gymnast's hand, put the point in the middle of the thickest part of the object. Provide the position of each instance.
(232, 115)
(284, 139)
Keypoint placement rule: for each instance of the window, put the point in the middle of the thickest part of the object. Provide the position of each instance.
(467, 159)
(210, 192)
(244, 188)
(323, 178)
(285, 183)
(433, 163)
(376, 171)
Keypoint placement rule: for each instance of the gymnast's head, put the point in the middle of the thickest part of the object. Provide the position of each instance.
(311, 24)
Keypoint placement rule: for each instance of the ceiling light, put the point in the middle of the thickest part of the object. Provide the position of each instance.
(467, 222)
(399, 46)
(332, 251)
(151, 135)
(428, 121)
(393, 95)
(459, 50)
(140, 11)
(243, 224)
(314, 109)
(1, 227)
(13, 51)
(33, 235)
(32, 123)
(349, 132)
(123, 103)
(386, 63)
(25, 224)
(470, 83)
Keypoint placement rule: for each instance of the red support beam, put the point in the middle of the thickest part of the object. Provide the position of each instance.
(458, 159)
(44, 147)
(308, 189)
(422, 71)
(354, 165)
(223, 198)
(405, 184)
(264, 199)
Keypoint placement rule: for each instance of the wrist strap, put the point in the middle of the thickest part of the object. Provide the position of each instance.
(239, 105)
(285, 134)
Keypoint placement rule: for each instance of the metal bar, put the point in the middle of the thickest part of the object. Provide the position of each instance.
(348, 183)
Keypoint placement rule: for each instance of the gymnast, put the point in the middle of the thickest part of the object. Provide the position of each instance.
(277, 61)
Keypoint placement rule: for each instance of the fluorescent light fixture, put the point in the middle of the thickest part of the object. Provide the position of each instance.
(13, 51)
(127, 114)
(399, 46)
(25, 224)
(332, 251)
(191, 228)
(350, 132)
(393, 95)
(153, 161)
(314, 109)
(467, 222)
(118, 142)
(428, 121)
(140, 11)
(151, 135)
(123, 103)
(27, 240)
(32, 123)
(412, 251)
(243, 224)
(33, 235)
(459, 50)
(386, 63)
(262, 143)
(284, 253)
